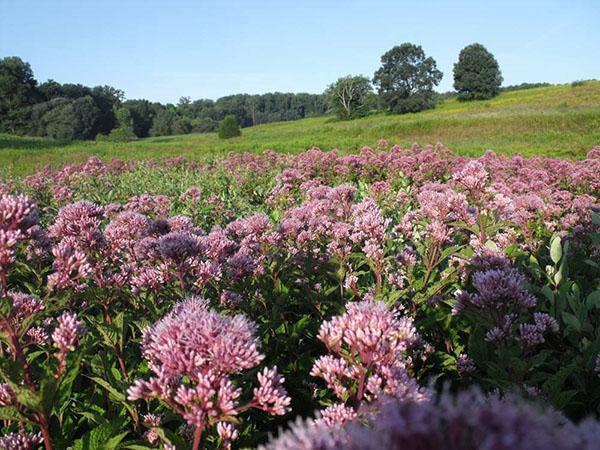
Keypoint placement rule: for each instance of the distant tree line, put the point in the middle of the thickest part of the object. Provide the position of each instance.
(74, 112)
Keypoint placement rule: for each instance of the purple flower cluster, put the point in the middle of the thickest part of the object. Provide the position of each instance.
(20, 441)
(501, 299)
(468, 420)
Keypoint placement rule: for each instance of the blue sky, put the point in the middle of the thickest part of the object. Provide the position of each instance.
(162, 50)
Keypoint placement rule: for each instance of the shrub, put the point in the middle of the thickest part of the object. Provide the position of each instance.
(229, 127)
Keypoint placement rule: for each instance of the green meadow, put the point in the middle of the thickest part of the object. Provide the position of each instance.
(557, 121)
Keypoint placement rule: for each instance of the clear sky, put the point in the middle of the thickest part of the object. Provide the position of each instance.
(162, 50)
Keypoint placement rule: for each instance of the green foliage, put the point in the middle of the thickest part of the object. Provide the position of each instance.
(348, 97)
(477, 75)
(18, 87)
(124, 130)
(142, 114)
(406, 79)
(229, 128)
(18, 90)
(72, 120)
(163, 123)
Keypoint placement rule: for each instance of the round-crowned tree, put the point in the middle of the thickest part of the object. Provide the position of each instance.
(406, 79)
(477, 75)
(229, 127)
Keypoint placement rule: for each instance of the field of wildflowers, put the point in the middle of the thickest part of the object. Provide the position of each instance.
(395, 298)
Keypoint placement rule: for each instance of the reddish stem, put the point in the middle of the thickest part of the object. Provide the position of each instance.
(3, 282)
(44, 428)
(41, 420)
(197, 438)
(361, 385)
(20, 357)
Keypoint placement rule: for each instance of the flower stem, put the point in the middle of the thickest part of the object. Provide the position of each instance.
(197, 438)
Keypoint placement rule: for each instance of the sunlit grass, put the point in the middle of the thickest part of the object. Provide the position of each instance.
(558, 121)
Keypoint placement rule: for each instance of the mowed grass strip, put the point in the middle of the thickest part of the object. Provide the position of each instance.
(557, 121)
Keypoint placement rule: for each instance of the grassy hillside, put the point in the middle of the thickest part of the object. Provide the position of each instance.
(561, 121)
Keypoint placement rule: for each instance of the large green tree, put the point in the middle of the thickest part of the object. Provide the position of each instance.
(162, 125)
(406, 79)
(18, 89)
(477, 74)
(348, 96)
(73, 119)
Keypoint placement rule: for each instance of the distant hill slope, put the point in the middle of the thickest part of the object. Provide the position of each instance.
(558, 121)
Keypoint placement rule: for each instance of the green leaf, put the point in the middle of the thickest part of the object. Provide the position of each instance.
(554, 384)
(118, 396)
(571, 320)
(593, 300)
(103, 437)
(5, 306)
(114, 442)
(12, 413)
(30, 400)
(47, 393)
(555, 249)
(65, 386)
(548, 293)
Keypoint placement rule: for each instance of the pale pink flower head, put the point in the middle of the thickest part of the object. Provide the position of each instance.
(336, 415)
(178, 245)
(8, 243)
(79, 221)
(125, 230)
(472, 176)
(23, 306)
(499, 290)
(465, 365)
(368, 347)
(192, 352)
(270, 396)
(192, 337)
(8, 397)
(68, 332)
(17, 212)
(192, 194)
(71, 266)
(227, 433)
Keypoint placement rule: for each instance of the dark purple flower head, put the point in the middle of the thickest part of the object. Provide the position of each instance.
(178, 245)
(466, 421)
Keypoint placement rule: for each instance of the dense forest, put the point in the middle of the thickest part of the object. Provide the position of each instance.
(73, 111)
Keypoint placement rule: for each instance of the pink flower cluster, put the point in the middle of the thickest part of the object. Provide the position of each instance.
(194, 352)
(18, 217)
(368, 357)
